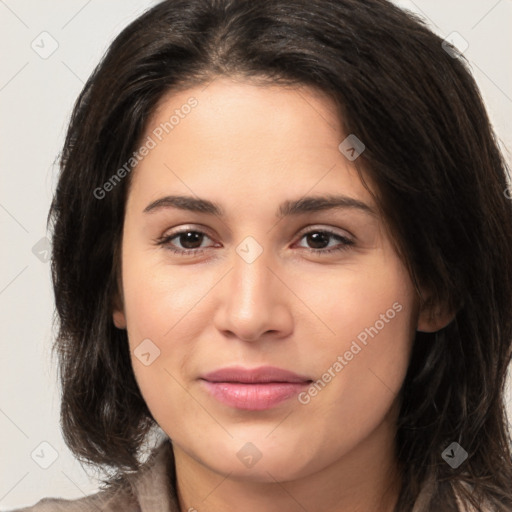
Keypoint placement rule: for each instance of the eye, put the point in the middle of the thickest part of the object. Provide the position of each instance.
(191, 241)
(188, 238)
(320, 237)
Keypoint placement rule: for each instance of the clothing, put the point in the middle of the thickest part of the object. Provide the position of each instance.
(423, 501)
(152, 489)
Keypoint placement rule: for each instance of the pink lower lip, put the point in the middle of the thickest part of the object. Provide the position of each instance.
(253, 397)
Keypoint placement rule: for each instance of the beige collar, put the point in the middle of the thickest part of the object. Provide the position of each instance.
(154, 484)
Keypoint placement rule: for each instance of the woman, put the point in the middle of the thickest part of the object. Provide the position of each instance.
(282, 236)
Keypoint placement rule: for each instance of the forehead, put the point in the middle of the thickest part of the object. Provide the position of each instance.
(254, 140)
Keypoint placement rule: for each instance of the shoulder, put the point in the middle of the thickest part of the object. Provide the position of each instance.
(151, 489)
(464, 507)
(105, 501)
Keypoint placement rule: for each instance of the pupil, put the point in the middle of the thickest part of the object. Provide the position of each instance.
(318, 238)
(190, 237)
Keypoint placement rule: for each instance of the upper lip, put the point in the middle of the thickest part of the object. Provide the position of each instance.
(254, 375)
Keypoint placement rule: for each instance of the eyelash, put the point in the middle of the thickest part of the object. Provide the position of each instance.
(165, 241)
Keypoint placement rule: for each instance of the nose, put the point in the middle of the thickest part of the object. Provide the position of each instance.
(254, 301)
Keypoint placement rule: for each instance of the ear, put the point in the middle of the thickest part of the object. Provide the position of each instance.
(118, 315)
(119, 318)
(117, 301)
(434, 315)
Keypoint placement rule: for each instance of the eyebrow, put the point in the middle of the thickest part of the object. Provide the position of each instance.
(286, 209)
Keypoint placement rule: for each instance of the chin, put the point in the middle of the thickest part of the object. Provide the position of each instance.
(259, 461)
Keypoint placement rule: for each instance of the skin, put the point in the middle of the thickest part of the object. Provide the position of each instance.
(249, 148)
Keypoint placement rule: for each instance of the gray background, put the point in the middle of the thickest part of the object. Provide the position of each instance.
(37, 91)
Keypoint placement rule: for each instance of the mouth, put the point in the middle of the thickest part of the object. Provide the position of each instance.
(253, 389)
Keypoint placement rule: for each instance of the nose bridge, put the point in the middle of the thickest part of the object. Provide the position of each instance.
(249, 302)
(251, 276)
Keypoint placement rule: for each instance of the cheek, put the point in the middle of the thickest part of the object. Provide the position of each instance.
(156, 308)
(371, 305)
(362, 362)
(157, 297)
(162, 308)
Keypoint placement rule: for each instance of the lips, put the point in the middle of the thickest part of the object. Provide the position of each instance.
(254, 375)
(253, 389)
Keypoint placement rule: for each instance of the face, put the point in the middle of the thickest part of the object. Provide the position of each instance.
(244, 270)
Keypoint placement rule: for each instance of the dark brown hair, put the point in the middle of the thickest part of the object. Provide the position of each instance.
(441, 181)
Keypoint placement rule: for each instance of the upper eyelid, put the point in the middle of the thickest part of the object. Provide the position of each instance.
(327, 229)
